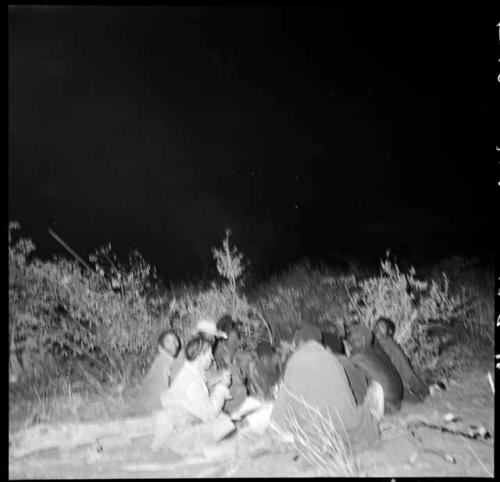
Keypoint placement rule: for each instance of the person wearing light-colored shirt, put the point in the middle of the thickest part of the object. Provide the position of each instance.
(189, 400)
(209, 330)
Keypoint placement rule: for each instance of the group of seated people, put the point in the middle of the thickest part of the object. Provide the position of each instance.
(352, 381)
(211, 376)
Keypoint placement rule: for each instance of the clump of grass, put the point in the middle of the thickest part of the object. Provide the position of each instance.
(319, 442)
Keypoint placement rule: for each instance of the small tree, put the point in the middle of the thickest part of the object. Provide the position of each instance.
(230, 265)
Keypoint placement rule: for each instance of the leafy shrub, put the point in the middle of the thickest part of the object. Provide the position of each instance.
(61, 313)
(64, 320)
(190, 303)
(411, 304)
(304, 295)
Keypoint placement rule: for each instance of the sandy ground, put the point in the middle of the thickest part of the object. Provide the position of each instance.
(470, 397)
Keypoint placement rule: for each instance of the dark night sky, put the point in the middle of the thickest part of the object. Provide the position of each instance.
(155, 128)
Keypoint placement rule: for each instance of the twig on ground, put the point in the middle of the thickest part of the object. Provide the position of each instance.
(477, 458)
(156, 467)
(490, 379)
(428, 450)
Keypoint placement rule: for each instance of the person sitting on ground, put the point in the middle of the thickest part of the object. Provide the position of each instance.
(264, 372)
(207, 328)
(358, 379)
(314, 379)
(389, 325)
(158, 378)
(414, 388)
(189, 400)
(229, 355)
(376, 365)
(225, 348)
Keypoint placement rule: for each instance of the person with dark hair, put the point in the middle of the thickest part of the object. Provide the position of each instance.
(376, 365)
(229, 355)
(314, 379)
(207, 328)
(225, 348)
(158, 378)
(414, 388)
(226, 324)
(264, 372)
(387, 325)
(307, 333)
(189, 399)
(358, 379)
(333, 342)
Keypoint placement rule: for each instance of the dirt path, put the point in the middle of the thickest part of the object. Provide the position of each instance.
(470, 398)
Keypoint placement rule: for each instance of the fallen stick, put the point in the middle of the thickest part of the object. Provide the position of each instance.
(473, 432)
(440, 453)
(478, 459)
(44, 437)
(414, 421)
(492, 385)
(157, 467)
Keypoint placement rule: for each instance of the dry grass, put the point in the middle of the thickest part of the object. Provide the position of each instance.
(319, 442)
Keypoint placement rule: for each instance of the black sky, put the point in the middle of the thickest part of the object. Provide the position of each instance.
(302, 129)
